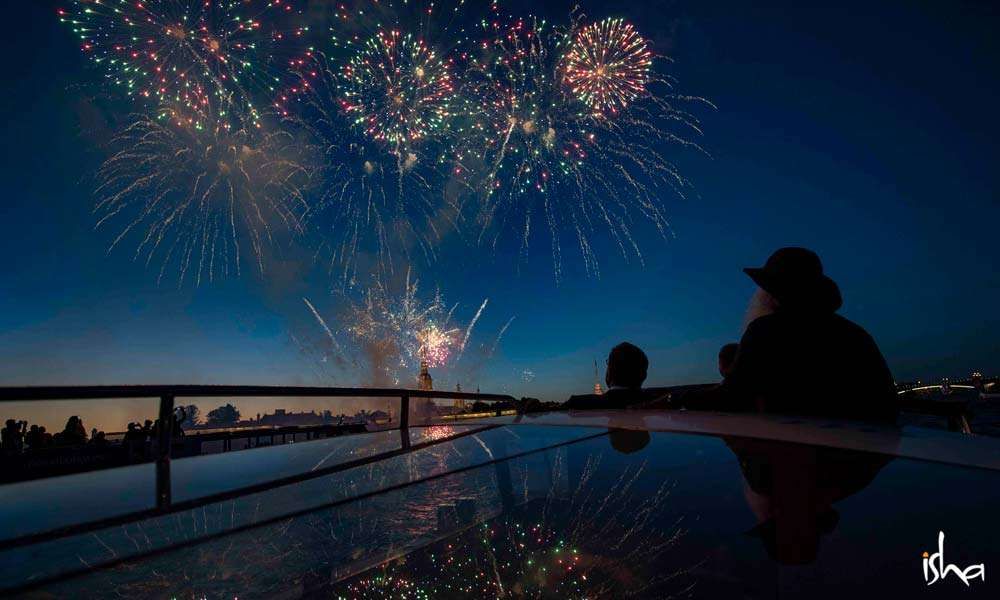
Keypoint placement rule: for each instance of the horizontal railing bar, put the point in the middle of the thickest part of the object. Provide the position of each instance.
(90, 526)
(277, 519)
(91, 392)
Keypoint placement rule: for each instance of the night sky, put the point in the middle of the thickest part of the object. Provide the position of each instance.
(866, 131)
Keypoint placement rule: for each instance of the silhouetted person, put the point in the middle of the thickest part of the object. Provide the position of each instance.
(792, 490)
(627, 366)
(74, 433)
(13, 437)
(727, 359)
(180, 415)
(797, 356)
(34, 437)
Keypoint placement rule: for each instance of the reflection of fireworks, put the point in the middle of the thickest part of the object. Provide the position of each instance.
(200, 197)
(374, 195)
(607, 65)
(184, 53)
(598, 543)
(546, 151)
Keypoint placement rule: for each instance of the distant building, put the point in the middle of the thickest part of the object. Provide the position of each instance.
(597, 383)
(424, 380)
(282, 418)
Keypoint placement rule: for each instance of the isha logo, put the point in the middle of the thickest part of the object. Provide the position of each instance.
(935, 566)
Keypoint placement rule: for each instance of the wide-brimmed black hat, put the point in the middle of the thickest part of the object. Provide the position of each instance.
(794, 276)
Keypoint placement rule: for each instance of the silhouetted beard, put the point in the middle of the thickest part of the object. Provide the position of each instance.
(761, 304)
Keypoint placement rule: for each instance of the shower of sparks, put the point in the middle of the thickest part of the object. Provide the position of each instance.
(186, 54)
(376, 199)
(397, 90)
(419, 330)
(420, 121)
(200, 199)
(545, 153)
(607, 65)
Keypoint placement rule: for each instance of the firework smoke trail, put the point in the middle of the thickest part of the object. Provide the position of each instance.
(322, 323)
(187, 53)
(496, 342)
(472, 323)
(584, 150)
(200, 197)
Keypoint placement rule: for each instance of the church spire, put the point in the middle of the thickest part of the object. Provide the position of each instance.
(424, 380)
(597, 382)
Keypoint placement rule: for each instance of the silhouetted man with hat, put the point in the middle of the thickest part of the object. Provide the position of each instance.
(803, 358)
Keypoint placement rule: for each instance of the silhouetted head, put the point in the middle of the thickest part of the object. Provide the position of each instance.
(627, 366)
(794, 277)
(628, 441)
(727, 358)
(11, 423)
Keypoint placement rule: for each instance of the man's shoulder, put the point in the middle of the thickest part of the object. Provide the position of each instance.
(616, 398)
(852, 328)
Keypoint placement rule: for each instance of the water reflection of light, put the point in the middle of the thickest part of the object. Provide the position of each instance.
(437, 432)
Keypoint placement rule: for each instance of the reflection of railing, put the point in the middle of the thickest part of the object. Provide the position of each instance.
(162, 443)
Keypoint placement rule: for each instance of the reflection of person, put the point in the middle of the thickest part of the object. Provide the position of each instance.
(791, 489)
(797, 356)
(627, 366)
(627, 432)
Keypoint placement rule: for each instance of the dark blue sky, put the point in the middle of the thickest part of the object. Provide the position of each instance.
(867, 131)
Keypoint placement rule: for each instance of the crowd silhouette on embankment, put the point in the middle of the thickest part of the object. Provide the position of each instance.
(17, 439)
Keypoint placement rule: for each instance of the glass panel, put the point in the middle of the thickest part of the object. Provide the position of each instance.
(206, 475)
(59, 555)
(35, 506)
(655, 514)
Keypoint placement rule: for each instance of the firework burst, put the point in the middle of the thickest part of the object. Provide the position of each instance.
(378, 191)
(200, 199)
(393, 329)
(397, 90)
(546, 153)
(607, 66)
(186, 54)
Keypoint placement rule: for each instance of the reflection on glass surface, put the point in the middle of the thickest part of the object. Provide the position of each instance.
(20, 564)
(205, 475)
(624, 514)
(43, 504)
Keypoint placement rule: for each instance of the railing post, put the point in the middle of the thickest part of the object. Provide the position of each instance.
(404, 420)
(164, 437)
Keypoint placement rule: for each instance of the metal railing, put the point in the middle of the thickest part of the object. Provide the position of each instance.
(168, 394)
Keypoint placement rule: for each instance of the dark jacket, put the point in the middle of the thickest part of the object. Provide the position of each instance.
(616, 398)
(807, 363)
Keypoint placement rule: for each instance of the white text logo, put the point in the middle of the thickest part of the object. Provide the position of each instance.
(934, 566)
